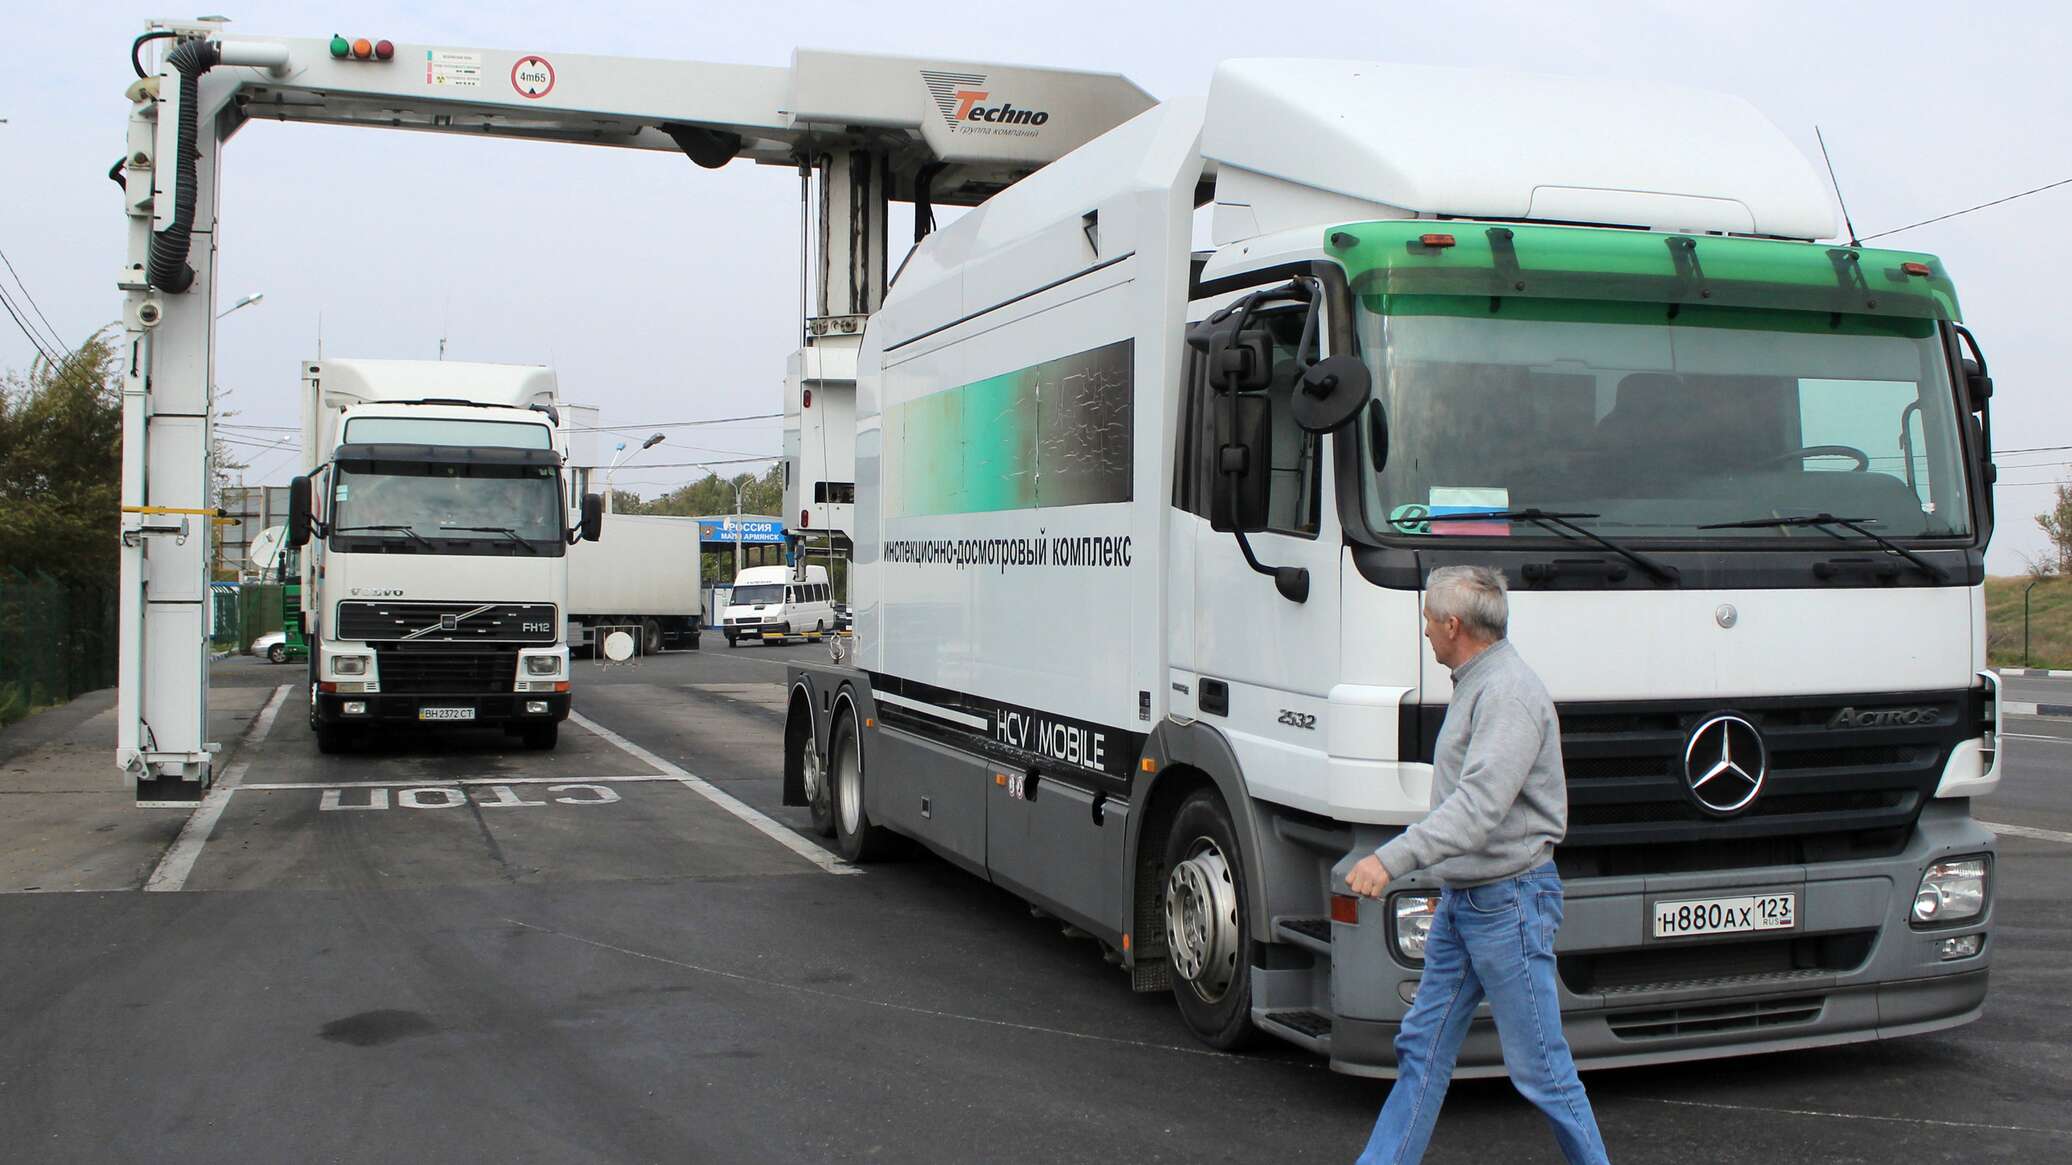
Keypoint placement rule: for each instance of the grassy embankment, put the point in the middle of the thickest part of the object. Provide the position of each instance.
(2050, 622)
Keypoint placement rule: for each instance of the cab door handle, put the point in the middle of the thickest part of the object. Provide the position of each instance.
(1215, 697)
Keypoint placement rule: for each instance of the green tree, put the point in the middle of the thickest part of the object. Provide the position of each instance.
(61, 465)
(2056, 524)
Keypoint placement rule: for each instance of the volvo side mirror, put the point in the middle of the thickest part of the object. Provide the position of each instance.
(1332, 392)
(593, 517)
(299, 518)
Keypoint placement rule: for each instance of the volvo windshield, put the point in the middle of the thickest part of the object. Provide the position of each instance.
(465, 508)
(1659, 423)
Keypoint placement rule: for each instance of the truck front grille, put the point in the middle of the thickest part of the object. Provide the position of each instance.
(1709, 963)
(442, 622)
(445, 672)
(1847, 778)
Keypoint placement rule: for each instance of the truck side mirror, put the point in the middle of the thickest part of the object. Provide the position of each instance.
(1978, 387)
(1331, 394)
(1237, 499)
(298, 512)
(1377, 435)
(1240, 361)
(593, 517)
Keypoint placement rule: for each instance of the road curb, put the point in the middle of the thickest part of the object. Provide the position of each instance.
(2035, 672)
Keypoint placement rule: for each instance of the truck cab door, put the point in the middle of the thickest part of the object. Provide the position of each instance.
(1263, 665)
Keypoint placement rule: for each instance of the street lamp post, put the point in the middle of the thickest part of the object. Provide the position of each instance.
(621, 455)
(247, 301)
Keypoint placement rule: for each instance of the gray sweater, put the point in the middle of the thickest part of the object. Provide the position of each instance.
(1499, 796)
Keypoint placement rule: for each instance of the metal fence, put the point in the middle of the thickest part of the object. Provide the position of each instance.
(57, 640)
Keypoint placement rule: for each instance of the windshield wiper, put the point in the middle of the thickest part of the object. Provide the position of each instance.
(506, 531)
(1830, 522)
(414, 535)
(1553, 521)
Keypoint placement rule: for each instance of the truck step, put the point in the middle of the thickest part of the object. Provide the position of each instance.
(1309, 933)
(1309, 1029)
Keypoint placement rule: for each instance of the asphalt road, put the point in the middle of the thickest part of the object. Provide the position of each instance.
(590, 955)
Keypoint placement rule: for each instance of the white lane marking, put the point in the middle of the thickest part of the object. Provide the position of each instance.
(291, 786)
(178, 862)
(1855, 1116)
(801, 989)
(769, 828)
(2029, 831)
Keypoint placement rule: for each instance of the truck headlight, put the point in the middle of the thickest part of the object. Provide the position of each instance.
(349, 665)
(542, 665)
(1951, 891)
(1410, 923)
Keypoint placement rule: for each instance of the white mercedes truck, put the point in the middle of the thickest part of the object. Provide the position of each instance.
(440, 520)
(1141, 533)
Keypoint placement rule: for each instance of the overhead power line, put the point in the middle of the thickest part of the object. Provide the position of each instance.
(672, 424)
(1967, 210)
(35, 341)
(56, 340)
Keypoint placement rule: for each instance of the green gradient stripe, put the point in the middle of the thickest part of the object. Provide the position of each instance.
(1057, 433)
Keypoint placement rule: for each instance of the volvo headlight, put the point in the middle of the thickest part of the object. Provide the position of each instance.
(1951, 891)
(1410, 923)
(349, 665)
(542, 665)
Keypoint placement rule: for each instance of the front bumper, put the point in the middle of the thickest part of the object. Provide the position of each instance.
(1860, 971)
(408, 708)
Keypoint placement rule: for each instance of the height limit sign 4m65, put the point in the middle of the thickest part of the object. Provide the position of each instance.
(532, 77)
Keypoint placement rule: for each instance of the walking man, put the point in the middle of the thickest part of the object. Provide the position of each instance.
(1499, 804)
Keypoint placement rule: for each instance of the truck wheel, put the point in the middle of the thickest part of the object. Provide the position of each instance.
(1208, 936)
(694, 640)
(859, 840)
(733, 640)
(334, 738)
(650, 637)
(814, 773)
(541, 737)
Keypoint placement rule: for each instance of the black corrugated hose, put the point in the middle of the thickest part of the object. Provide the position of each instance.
(169, 246)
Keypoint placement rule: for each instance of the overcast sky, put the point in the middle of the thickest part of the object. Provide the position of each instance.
(663, 292)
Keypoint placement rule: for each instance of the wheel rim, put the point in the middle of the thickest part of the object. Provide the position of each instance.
(809, 762)
(1201, 920)
(849, 781)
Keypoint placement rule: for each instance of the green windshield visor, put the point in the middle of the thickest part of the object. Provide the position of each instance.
(1428, 257)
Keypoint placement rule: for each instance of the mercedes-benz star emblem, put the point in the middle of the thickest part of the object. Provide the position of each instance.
(1726, 616)
(1724, 764)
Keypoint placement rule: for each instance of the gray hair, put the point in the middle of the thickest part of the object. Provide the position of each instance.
(1472, 594)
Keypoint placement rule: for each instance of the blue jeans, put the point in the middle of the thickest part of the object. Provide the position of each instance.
(1494, 942)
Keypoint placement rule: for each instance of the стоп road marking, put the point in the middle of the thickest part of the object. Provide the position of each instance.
(767, 827)
(178, 862)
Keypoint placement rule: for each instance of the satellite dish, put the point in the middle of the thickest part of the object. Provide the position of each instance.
(618, 647)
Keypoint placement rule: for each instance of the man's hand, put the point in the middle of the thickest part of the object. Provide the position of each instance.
(1368, 878)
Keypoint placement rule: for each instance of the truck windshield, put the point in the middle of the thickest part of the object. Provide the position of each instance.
(1658, 422)
(384, 503)
(757, 595)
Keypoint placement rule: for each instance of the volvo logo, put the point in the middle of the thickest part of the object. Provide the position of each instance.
(1724, 765)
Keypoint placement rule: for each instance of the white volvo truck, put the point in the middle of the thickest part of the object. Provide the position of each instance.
(1141, 535)
(441, 526)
